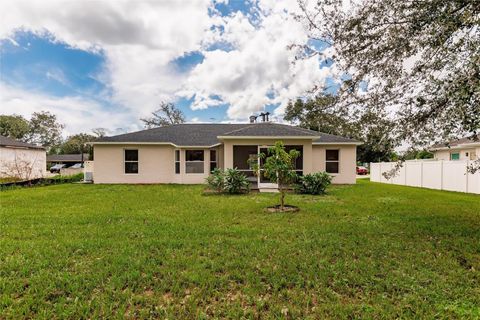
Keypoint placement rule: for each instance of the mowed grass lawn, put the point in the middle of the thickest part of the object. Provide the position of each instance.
(157, 251)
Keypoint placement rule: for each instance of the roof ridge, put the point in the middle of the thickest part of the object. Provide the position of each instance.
(236, 130)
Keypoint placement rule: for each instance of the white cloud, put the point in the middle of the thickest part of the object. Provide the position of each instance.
(139, 40)
(260, 63)
(79, 114)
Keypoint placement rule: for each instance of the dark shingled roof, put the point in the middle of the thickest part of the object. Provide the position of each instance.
(9, 142)
(75, 157)
(455, 143)
(205, 134)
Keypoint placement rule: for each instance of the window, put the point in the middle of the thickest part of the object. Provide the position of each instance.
(473, 155)
(213, 160)
(177, 161)
(194, 161)
(332, 161)
(455, 156)
(131, 161)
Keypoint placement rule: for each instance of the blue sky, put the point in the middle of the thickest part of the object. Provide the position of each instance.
(224, 62)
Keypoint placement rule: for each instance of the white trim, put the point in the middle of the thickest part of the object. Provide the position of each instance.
(175, 162)
(339, 143)
(154, 143)
(263, 185)
(194, 161)
(131, 161)
(337, 161)
(458, 146)
(269, 137)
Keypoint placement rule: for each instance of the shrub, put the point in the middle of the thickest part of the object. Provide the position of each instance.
(215, 180)
(229, 181)
(235, 182)
(313, 183)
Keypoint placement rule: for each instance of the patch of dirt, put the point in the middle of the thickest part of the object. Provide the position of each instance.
(286, 208)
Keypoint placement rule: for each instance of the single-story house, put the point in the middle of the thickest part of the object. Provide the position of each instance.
(461, 149)
(68, 159)
(21, 160)
(187, 153)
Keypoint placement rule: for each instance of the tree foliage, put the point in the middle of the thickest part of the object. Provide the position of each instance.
(45, 129)
(167, 114)
(279, 166)
(417, 59)
(14, 126)
(324, 113)
(77, 143)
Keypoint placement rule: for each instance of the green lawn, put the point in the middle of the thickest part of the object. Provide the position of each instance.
(369, 250)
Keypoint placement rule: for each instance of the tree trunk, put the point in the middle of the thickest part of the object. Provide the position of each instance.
(282, 197)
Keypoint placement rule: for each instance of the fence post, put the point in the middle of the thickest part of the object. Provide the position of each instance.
(466, 180)
(380, 168)
(441, 174)
(421, 174)
(405, 179)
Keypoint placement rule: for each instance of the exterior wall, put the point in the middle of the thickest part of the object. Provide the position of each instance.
(25, 160)
(445, 154)
(156, 164)
(347, 162)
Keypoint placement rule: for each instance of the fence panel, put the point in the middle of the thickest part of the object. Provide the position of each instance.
(442, 175)
(414, 174)
(432, 174)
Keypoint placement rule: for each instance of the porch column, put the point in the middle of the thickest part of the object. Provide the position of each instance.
(228, 155)
(307, 158)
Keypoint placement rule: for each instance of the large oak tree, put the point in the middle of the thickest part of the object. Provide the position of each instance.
(418, 60)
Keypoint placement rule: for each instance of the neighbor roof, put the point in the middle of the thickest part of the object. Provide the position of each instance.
(456, 143)
(207, 134)
(12, 143)
(75, 157)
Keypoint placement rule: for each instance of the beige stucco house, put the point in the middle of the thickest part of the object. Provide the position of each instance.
(461, 149)
(21, 160)
(187, 153)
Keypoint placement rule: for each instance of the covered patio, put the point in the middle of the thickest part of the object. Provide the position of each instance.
(246, 155)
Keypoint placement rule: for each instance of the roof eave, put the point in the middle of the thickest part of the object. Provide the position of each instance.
(268, 137)
(355, 143)
(456, 147)
(151, 143)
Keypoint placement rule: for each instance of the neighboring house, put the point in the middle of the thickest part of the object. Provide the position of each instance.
(68, 159)
(187, 153)
(21, 160)
(462, 149)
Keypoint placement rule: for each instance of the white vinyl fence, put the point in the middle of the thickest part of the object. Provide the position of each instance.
(442, 175)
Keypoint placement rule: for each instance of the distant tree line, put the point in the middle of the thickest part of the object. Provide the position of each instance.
(44, 129)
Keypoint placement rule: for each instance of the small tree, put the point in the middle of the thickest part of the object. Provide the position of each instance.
(280, 167)
(166, 114)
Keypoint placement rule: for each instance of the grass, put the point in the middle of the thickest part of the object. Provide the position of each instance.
(167, 251)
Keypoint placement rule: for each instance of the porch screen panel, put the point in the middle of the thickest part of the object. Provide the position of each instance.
(299, 160)
(241, 157)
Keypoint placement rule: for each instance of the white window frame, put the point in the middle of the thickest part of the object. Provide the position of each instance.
(212, 161)
(130, 161)
(203, 161)
(338, 161)
(175, 161)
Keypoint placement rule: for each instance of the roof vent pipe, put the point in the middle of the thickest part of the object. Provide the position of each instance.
(267, 114)
(263, 116)
(253, 119)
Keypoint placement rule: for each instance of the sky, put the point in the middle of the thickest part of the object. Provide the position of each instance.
(106, 64)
